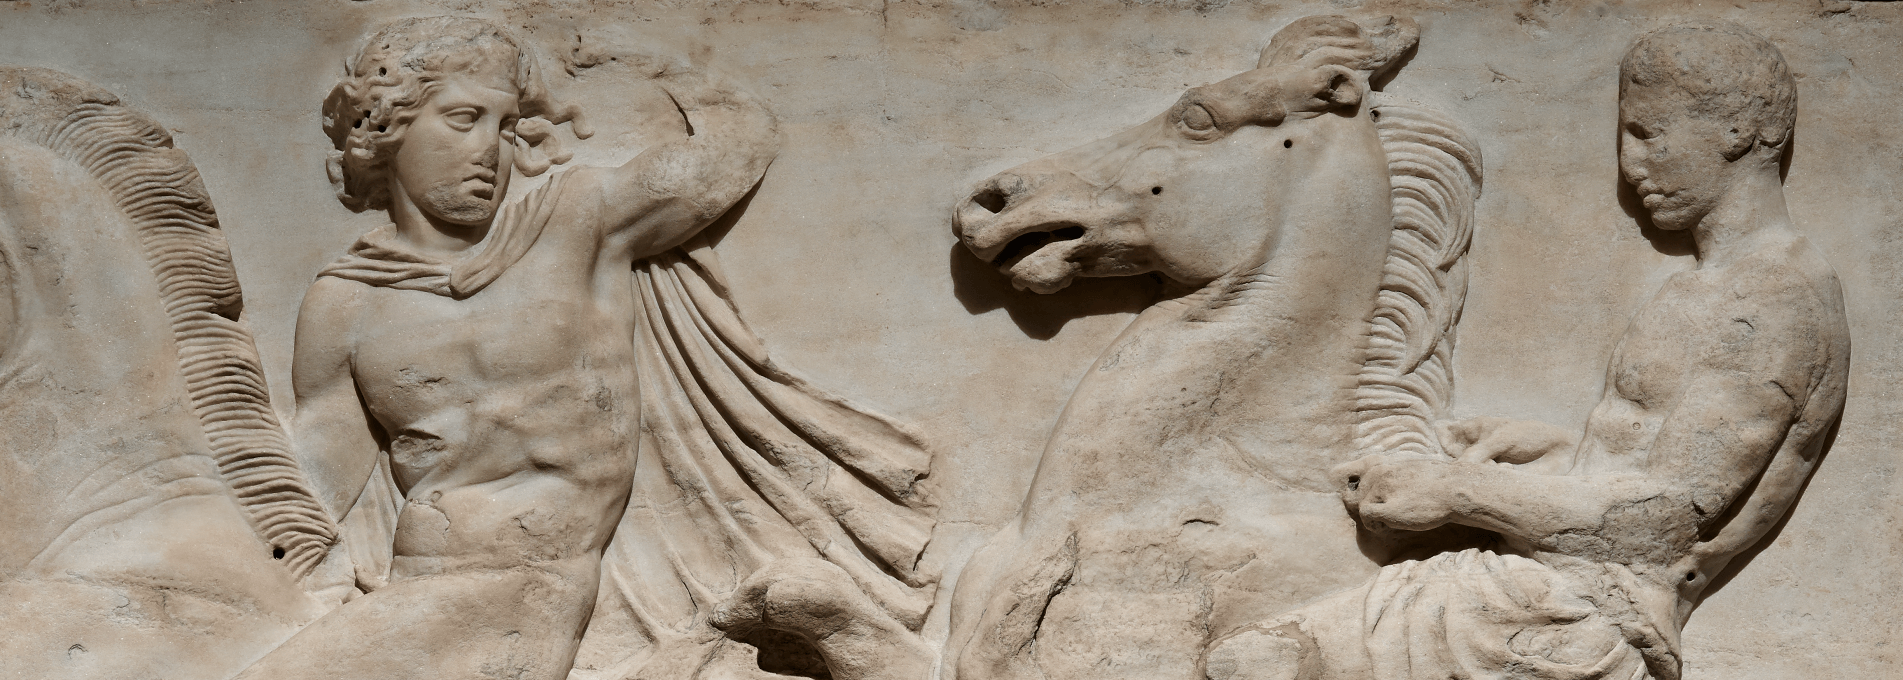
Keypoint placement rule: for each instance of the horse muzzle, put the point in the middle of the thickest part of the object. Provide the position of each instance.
(1030, 226)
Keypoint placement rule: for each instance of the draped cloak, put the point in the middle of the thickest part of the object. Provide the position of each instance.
(1481, 615)
(739, 463)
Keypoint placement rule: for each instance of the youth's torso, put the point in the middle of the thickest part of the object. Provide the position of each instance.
(1647, 374)
(1701, 321)
(511, 414)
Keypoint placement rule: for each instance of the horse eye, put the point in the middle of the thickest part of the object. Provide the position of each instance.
(1197, 118)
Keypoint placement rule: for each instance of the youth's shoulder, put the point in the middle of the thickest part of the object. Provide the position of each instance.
(331, 305)
(325, 343)
(1788, 309)
(581, 184)
(1792, 273)
(330, 294)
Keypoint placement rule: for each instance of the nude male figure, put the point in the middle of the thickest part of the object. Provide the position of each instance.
(486, 348)
(1717, 406)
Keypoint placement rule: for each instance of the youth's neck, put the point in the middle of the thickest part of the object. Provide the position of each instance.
(428, 232)
(1751, 212)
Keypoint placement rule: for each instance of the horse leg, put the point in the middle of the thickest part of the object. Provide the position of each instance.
(523, 622)
(1322, 640)
(819, 602)
(1000, 644)
(1257, 653)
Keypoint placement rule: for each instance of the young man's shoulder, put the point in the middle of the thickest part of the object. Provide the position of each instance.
(332, 290)
(572, 198)
(1789, 271)
(583, 182)
(331, 302)
(1780, 303)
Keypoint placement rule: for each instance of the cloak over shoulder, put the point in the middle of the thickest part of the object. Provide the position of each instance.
(740, 463)
(381, 258)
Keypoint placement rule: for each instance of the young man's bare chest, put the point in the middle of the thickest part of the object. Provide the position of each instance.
(513, 370)
(1665, 340)
(1653, 363)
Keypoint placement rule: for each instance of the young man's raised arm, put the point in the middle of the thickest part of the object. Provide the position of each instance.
(671, 191)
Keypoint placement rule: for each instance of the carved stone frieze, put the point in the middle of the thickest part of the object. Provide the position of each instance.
(1252, 382)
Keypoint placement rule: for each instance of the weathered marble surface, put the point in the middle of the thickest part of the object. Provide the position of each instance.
(844, 261)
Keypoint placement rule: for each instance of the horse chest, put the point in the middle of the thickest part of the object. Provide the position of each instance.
(1218, 398)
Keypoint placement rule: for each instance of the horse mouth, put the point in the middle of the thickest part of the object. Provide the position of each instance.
(1028, 243)
(1041, 260)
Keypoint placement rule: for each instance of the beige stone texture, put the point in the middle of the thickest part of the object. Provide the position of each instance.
(844, 262)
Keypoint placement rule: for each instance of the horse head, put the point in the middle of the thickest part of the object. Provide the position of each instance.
(1322, 227)
(1169, 195)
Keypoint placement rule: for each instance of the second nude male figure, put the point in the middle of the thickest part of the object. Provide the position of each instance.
(1717, 406)
(486, 349)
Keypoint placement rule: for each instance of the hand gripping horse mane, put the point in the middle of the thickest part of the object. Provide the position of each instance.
(1315, 231)
(153, 520)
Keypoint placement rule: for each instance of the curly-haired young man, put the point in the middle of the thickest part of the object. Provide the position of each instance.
(485, 347)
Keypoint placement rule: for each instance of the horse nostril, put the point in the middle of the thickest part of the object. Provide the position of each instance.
(991, 200)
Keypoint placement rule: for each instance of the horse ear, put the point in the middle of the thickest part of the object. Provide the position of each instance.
(1373, 48)
(1342, 87)
(1312, 33)
(1330, 61)
(1392, 37)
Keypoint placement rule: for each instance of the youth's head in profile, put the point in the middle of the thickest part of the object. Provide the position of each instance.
(1705, 111)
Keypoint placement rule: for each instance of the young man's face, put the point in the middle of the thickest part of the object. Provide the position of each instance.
(1676, 161)
(455, 156)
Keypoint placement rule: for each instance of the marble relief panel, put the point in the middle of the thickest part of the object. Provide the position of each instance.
(976, 340)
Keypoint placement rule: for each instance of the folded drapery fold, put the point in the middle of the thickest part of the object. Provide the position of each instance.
(743, 463)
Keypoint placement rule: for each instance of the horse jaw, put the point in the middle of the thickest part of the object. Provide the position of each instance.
(1147, 200)
(1047, 222)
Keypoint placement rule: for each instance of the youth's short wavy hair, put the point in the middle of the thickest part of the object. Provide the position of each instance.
(396, 70)
(1724, 71)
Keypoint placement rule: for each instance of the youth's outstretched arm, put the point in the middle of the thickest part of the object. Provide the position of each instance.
(671, 191)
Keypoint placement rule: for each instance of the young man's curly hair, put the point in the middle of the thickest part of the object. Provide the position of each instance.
(397, 70)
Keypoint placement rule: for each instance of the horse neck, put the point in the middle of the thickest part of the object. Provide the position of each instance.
(92, 415)
(88, 319)
(1263, 359)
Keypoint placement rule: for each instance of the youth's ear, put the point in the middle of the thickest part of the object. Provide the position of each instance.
(1741, 138)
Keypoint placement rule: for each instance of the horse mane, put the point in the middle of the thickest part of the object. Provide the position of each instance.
(160, 192)
(1406, 379)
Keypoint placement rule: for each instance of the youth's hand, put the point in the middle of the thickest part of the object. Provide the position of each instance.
(1492, 438)
(1409, 494)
